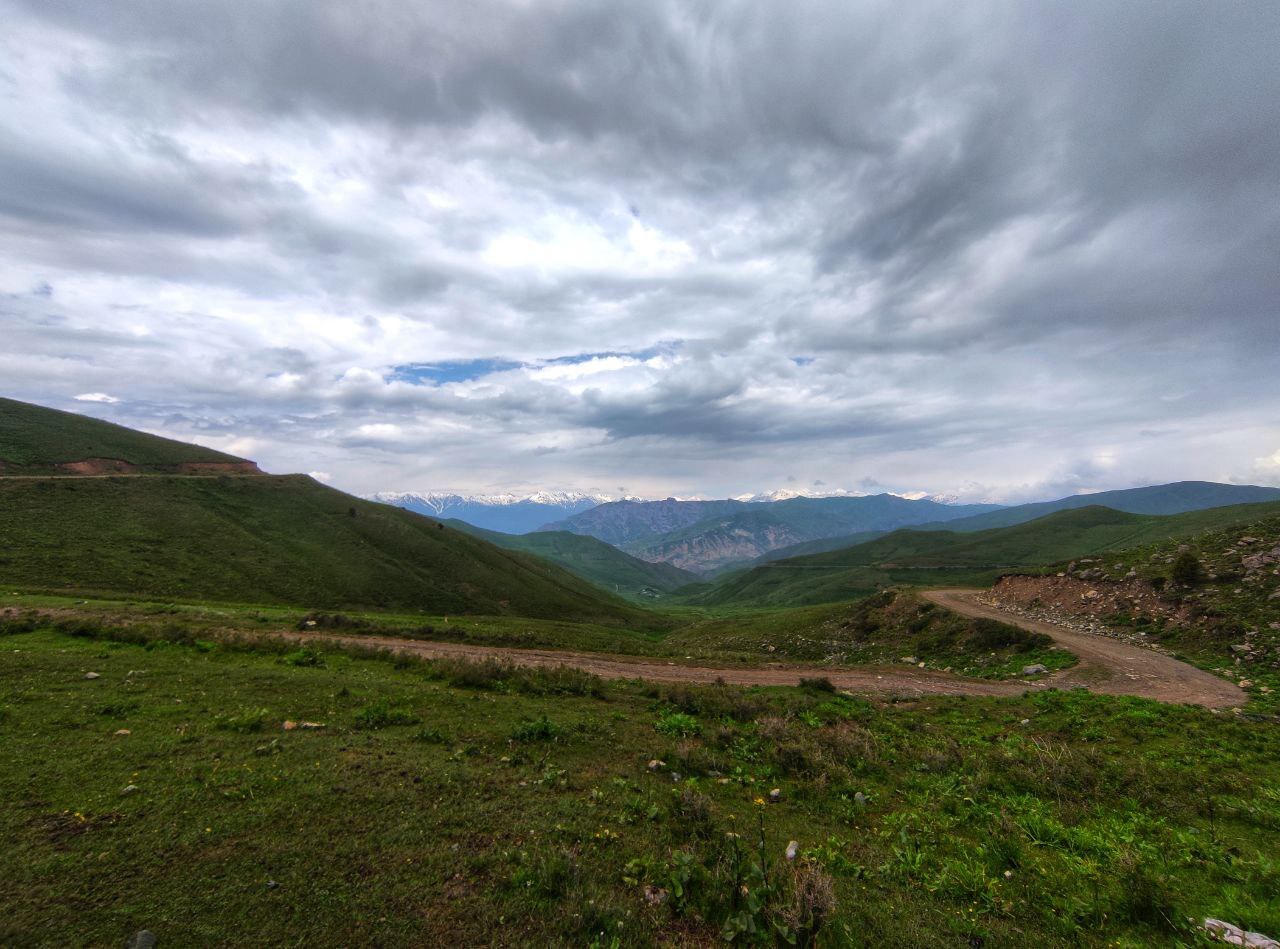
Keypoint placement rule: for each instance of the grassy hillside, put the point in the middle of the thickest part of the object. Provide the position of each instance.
(37, 440)
(591, 559)
(1221, 610)
(943, 557)
(448, 804)
(1177, 498)
(270, 540)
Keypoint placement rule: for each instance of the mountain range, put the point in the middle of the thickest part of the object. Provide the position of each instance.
(506, 513)
(704, 536)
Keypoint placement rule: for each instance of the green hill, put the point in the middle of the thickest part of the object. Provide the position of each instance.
(1177, 498)
(591, 559)
(207, 535)
(39, 440)
(943, 557)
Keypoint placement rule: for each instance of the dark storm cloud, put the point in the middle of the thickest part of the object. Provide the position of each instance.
(1010, 233)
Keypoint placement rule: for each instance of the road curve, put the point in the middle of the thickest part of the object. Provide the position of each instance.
(882, 679)
(1106, 665)
(1110, 666)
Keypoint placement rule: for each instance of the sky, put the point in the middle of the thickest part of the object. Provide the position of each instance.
(997, 250)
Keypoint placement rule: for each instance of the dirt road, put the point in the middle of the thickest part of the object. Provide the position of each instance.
(1105, 665)
(907, 681)
(1109, 665)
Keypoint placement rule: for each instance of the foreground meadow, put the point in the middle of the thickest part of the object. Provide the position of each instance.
(482, 804)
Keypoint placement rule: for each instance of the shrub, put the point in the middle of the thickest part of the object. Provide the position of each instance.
(1186, 570)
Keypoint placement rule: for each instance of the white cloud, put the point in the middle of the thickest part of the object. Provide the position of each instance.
(862, 250)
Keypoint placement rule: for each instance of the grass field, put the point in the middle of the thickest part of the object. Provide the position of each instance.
(477, 805)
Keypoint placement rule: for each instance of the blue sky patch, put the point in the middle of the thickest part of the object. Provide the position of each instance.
(453, 370)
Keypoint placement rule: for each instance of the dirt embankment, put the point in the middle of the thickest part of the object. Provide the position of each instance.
(1077, 597)
(1110, 664)
(106, 467)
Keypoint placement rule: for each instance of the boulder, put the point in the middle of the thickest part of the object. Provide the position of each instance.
(1235, 936)
(1034, 669)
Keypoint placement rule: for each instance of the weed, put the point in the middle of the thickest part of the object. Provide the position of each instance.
(382, 714)
(244, 721)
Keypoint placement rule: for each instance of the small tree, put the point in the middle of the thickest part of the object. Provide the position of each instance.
(1186, 571)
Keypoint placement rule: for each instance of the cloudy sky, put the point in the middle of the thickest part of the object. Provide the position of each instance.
(999, 249)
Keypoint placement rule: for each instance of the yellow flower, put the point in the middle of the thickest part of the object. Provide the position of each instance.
(759, 801)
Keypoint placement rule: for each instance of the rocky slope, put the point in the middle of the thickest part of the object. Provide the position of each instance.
(1222, 610)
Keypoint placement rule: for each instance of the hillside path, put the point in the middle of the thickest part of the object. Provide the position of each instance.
(1107, 665)
(887, 679)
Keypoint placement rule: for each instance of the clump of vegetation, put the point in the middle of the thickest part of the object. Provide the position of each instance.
(817, 684)
(1187, 570)
(305, 657)
(539, 729)
(383, 714)
(677, 724)
(244, 721)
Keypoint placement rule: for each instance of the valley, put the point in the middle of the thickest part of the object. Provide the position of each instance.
(354, 722)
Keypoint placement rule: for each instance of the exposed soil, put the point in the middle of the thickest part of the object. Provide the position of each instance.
(1106, 665)
(1083, 597)
(98, 466)
(117, 467)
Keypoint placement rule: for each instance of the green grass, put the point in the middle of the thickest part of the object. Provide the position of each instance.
(936, 558)
(282, 540)
(520, 809)
(593, 560)
(37, 439)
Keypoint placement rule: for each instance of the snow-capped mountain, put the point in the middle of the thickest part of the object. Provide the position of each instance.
(786, 494)
(508, 513)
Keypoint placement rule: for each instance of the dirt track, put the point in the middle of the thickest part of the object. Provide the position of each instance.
(1110, 665)
(1105, 665)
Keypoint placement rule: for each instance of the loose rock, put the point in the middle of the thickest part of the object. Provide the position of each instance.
(1235, 936)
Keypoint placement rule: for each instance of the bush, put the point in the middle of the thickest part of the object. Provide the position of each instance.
(1186, 570)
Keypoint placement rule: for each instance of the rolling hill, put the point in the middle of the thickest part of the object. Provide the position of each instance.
(591, 559)
(260, 539)
(35, 440)
(1176, 498)
(934, 557)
